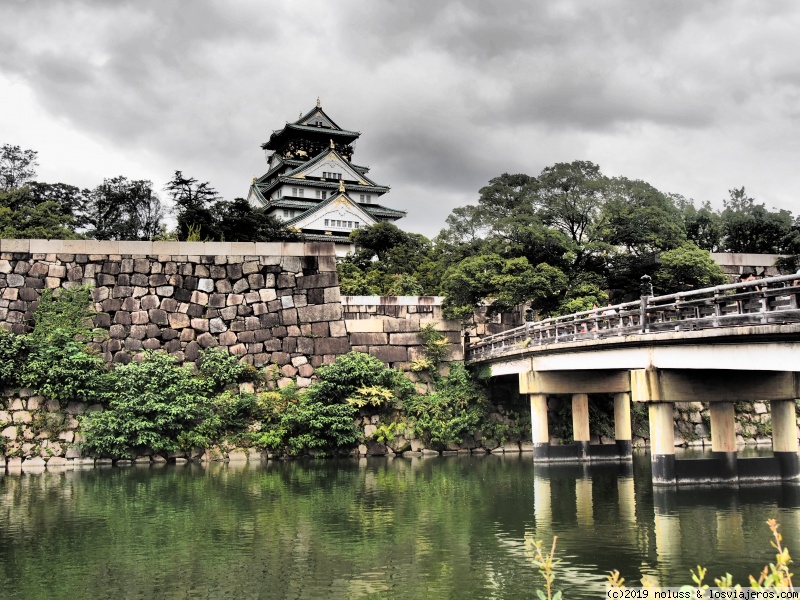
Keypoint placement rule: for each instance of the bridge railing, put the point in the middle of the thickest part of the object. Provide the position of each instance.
(762, 301)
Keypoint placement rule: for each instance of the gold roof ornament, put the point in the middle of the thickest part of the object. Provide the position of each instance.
(341, 186)
(254, 179)
(332, 144)
(318, 104)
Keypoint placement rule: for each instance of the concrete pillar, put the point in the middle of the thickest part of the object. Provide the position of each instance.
(723, 438)
(580, 421)
(539, 431)
(662, 443)
(784, 438)
(622, 424)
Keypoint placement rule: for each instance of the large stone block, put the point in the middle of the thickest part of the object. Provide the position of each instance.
(320, 312)
(400, 325)
(332, 346)
(320, 280)
(369, 339)
(305, 345)
(364, 326)
(404, 339)
(390, 354)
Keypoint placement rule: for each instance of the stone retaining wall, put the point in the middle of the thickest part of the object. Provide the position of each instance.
(270, 303)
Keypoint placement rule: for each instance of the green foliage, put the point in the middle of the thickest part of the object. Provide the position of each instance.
(218, 369)
(66, 311)
(687, 267)
(434, 344)
(62, 368)
(159, 405)
(453, 410)
(354, 370)
(14, 351)
(299, 425)
(508, 281)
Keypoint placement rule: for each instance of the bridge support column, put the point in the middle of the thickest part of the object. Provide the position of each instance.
(723, 439)
(539, 429)
(662, 443)
(784, 438)
(622, 423)
(580, 422)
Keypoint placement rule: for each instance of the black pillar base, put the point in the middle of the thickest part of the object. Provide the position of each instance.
(789, 464)
(585, 450)
(541, 452)
(727, 465)
(663, 469)
(624, 448)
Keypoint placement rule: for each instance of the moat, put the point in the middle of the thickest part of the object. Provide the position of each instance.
(445, 527)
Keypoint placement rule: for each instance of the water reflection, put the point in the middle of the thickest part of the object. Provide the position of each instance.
(444, 527)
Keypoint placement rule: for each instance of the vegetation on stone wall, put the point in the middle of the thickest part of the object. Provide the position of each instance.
(153, 405)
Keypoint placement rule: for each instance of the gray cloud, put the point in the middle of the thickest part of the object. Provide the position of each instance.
(447, 94)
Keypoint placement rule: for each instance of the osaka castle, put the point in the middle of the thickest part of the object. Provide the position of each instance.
(313, 186)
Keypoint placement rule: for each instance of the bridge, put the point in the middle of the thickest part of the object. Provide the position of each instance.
(721, 345)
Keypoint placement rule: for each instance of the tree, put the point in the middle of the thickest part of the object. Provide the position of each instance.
(238, 221)
(123, 209)
(17, 166)
(41, 211)
(703, 225)
(507, 282)
(192, 206)
(751, 228)
(685, 268)
(569, 196)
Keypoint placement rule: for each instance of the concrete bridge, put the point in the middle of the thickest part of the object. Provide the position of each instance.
(721, 345)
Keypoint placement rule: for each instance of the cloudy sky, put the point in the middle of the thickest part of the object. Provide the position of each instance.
(694, 97)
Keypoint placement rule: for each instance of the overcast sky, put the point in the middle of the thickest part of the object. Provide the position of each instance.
(693, 97)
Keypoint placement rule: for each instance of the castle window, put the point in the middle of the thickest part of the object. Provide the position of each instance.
(355, 225)
(366, 198)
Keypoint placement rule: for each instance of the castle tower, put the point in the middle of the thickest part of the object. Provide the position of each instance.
(313, 186)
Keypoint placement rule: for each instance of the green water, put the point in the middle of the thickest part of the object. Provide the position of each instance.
(454, 527)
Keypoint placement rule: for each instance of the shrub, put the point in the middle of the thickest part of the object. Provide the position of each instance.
(66, 310)
(350, 372)
(220, 369)
(158, 405)
(454, 409)
(297, 424)
(14, 351)
(63, 368)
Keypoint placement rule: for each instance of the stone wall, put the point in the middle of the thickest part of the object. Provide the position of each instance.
(270, 303)
(388, 327)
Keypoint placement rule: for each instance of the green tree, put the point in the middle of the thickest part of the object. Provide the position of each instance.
(687, 267)
(238, 221)
(123, 209)
(40, 211)
(751, 228)
(17, 166)
(193, 206)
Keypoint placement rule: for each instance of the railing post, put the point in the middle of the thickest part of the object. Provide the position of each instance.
(646, 292)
